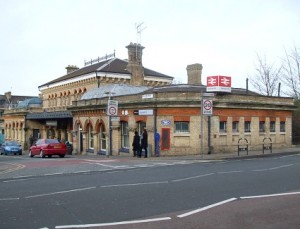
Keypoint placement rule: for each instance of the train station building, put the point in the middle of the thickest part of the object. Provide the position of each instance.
(98, 108)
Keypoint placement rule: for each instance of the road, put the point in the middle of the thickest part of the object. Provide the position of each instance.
(93, 192)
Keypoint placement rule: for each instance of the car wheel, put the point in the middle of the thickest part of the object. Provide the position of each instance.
(42, 154)
(30, 154)
(61, 155)
(49, 155)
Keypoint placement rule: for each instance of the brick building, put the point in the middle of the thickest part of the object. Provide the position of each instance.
(75, 108)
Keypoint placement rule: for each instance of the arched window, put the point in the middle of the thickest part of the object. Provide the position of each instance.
(124, 135)
(102, 138)
(90, 136)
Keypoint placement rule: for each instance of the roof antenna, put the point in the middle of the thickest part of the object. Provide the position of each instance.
(139, 28)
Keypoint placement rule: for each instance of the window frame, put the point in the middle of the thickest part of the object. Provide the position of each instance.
(222, 127)
(247, 126)
(179, 128)
(124, 135)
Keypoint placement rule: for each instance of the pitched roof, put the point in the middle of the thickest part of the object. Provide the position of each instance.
(109, 66)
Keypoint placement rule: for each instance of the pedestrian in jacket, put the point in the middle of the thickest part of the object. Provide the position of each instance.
(136, 144)
(144, 144)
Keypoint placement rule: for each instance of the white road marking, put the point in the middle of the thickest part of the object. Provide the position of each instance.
(61, 192)
(114, 223)
(270, 195)
(133, 184)
(228, 172)
(25, 179)
(205, 208)
(273, 168)
(194, 177)
(96, 161)
(4, 199)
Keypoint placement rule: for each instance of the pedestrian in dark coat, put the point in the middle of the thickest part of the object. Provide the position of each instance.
(144, 144)
(136, 144)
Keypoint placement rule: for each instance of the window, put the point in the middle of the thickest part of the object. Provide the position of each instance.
(262, 126)
(235, 126)
(222, 127)
(141, 126)
(282, 126)
(272, 126)
(102, 138)
(124, 135)
(90, 137)
(247, 126)
(182, 127)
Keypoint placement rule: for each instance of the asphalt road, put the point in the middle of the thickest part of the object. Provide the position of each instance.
(112, 193)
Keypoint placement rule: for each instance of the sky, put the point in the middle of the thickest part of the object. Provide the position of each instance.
(39, 38)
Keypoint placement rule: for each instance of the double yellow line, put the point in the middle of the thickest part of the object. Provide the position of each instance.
(11, 168)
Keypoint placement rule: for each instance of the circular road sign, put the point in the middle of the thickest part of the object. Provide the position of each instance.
(207, 106)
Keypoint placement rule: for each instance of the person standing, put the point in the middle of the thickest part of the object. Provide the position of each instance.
(136, 144)
(144, 144)
(31, 140)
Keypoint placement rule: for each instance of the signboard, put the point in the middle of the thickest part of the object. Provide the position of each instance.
(143, 112)
(218, 84)
(147, 96)
(115, 119)
(112, 108)
(51, 123)
(207, 107)
(165, 122)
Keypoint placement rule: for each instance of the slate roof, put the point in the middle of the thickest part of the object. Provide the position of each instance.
(109, 66)
(15, 99)
(115, 89)
(195, 88)
(30, 102)
(49, 115)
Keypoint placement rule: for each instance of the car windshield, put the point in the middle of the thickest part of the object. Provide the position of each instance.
(11, 143)
(51, 141)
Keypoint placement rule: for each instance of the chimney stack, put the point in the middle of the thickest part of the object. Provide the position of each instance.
(71, 68)
(135, 66)
(194, 72)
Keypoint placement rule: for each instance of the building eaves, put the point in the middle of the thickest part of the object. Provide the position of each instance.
(49, 115)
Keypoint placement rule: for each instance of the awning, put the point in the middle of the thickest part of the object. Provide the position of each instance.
(49, 115)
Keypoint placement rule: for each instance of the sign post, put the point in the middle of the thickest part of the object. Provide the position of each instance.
(206, 110)
(112, 111)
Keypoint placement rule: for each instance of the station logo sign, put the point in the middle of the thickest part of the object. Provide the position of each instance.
(218, 84)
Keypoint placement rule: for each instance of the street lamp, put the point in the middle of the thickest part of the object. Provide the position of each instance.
(98, 79)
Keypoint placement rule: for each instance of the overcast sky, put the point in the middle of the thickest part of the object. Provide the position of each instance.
(39, 38)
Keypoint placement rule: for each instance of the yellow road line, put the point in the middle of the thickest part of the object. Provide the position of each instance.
(14, 168)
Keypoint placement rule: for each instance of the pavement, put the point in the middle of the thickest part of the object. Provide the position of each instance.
(227, 156)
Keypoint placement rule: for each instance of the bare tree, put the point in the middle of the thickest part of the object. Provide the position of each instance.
(291, 73)
(266, 77)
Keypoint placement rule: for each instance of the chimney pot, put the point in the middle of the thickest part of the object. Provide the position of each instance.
(194, 72)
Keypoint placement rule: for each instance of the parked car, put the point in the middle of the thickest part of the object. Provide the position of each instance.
(11, 147)
(48, 147)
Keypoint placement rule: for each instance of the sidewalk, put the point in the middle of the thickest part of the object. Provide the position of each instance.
(242, 154)
(214, 156)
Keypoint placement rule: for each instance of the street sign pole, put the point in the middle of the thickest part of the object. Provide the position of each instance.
(207, 110)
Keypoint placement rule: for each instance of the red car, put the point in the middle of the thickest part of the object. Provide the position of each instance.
(48, 147)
